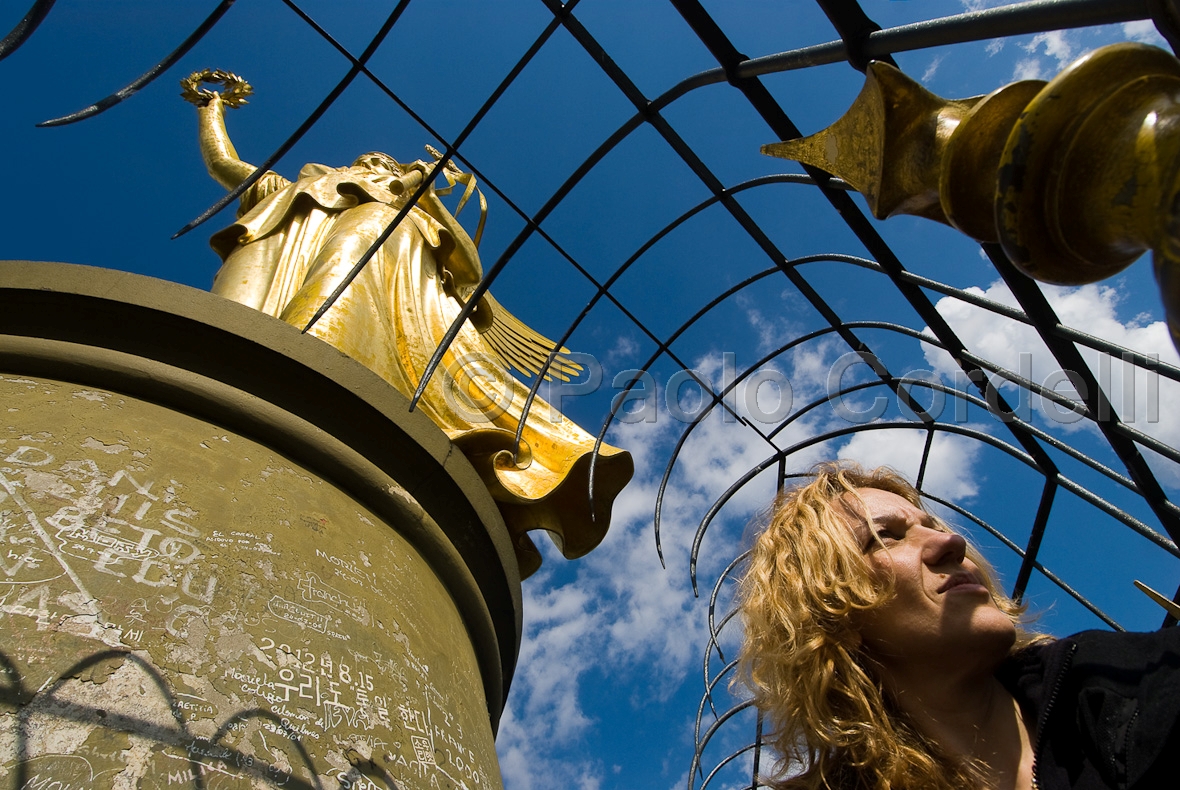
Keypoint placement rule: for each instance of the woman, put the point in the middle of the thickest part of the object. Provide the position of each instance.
(884, 655)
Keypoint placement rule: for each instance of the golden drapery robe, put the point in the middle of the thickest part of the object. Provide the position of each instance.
(292, 245)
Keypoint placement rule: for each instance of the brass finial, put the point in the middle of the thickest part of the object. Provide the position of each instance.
(888, 145)
(1075, 178)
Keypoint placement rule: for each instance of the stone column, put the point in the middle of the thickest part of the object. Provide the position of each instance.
(230, 556)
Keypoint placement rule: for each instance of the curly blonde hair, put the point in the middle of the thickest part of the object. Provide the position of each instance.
(831, 719)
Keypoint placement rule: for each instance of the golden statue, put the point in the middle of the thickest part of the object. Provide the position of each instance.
(293, 244)
(1075, 178)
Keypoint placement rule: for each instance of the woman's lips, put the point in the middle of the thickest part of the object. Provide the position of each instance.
(963, 582)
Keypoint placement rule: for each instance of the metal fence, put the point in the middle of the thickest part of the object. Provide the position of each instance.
(1116, 483)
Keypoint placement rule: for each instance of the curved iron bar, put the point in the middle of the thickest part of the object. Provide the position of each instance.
(1130, 521)
(1135, 524)
(1121, 439)
(451, 146)
(311, 120)
(1010, 544)
(719, 397)
(714, 629)
(1121, 429)
(623, 82)
(1015, 378)
(925, 458)
(706, 409)
(726, 761)
(709, 733)
(788, 178)
(713, 642)
(757, 767)
(1137, 358)
(710, 684)
(1039, 433)
(1036, 535)
(530, 222)
(25, 27)
(971, 399)
(131, 88)
(768, 108)
(1016, 19)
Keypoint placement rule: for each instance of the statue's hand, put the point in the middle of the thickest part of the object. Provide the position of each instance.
(408, 182)
(237, 89)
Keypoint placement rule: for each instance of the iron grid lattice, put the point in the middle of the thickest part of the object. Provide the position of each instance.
(1116, 483)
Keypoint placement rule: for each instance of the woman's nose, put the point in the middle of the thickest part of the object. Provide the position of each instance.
(942, 547)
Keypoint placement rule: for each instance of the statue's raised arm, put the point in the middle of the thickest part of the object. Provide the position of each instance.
(221, 158)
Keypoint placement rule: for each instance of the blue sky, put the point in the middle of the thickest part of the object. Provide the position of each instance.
(610, 673)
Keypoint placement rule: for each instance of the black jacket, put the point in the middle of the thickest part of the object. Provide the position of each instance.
(1106, 707)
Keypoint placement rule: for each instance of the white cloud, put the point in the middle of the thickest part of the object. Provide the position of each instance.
(932, 69)
(1139, 398)
(1144, 31)
(979, 5)
(949, 472)
(625, 348)
(994, 46)
(1056, 43)
(773, 331)
(1029, 69)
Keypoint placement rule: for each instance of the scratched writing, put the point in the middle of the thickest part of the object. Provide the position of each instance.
(241, 541)
(193, 708)
(115, 522)
(22, 560)
(282, 642)
(423, 750)
(315, 591)
(298, 614)
(349, 570)
(52, 782)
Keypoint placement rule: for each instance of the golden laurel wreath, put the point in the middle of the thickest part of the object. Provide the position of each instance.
(234, 95)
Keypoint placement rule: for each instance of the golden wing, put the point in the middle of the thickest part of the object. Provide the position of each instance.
(518, 346)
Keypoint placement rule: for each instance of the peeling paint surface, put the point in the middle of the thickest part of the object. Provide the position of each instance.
(183, 607)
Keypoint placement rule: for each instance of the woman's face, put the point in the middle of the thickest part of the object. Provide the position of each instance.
(939, 603)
